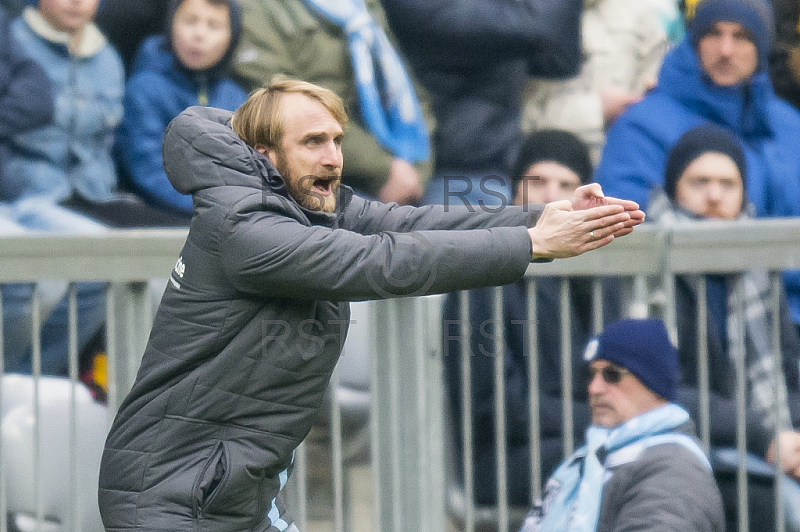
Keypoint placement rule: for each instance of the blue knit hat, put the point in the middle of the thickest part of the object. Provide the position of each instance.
(755, 15)
(642, 347)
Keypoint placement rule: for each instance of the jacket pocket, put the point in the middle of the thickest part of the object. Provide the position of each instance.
(211, 477)
(227, 491)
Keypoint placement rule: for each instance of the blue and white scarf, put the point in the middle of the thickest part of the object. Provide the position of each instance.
(389, 105)
(573, 493)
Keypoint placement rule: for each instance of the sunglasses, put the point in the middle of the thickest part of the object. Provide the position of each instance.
(610, 374)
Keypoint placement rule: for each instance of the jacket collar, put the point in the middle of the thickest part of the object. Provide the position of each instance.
(91, 42)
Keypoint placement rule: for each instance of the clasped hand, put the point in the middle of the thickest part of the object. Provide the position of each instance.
(588, 221)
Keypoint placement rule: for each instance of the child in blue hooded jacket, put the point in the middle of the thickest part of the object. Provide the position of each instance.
(184, 67)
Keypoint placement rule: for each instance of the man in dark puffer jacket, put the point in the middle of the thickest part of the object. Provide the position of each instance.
(255, 314)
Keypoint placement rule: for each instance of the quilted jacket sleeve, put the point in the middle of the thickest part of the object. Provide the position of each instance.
(270, 253)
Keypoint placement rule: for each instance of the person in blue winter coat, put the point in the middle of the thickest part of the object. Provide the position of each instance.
(694, 88)
(184, 67)
(718, 74)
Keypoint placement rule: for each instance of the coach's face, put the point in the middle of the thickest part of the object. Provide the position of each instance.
(309, 157)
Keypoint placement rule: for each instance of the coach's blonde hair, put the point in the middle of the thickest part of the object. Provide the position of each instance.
(259, 119)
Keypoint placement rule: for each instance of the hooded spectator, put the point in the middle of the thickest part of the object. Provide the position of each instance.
(186, 66)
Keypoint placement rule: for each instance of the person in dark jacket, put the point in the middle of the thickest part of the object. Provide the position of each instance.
(255, 313)
(552, 164)
(705, 178)
(474, 57)
(26, 100)
(642, 468)
(186, 66)
(784, 61)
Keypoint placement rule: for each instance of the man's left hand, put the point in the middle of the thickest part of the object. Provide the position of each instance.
(591, 195)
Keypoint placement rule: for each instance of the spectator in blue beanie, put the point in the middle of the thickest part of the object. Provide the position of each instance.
(705, 179)
(642, 467)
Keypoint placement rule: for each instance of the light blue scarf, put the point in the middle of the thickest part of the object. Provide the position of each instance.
(574, 492)
(389, 105)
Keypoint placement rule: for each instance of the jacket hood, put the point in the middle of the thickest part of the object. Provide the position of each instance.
(201, 150)
(154, 56)
(742, 109)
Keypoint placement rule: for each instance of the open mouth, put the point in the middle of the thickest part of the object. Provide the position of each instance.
(323, 186)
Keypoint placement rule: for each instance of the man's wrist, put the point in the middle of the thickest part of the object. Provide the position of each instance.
(538, 258)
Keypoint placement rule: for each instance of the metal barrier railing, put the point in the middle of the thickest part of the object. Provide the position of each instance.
(650, 261)
(406, 459)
